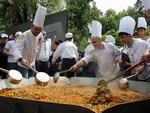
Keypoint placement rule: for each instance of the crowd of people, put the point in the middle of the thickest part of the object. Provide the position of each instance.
(100, 59)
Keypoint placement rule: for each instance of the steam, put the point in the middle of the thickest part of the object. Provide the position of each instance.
(106, 67)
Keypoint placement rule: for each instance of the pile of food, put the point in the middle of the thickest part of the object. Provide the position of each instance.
(96, 98)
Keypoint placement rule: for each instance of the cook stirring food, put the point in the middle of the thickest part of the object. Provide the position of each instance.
(106, 54)
(29, 43)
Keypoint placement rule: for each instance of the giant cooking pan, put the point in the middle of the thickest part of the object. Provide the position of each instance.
(143, 87)
(24, 106)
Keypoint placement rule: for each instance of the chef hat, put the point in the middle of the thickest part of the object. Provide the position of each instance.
(96, 29)
(127, 25)
(68, 35)
(18, 33)
(146, 4)
(110, 39)
(4, 36)
(142, 23)
(40, 16)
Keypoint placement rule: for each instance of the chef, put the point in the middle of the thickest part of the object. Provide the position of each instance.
(68, 52)
(8, 51)
(142, 29)
(3, 58)
(134, 48)
(105, 54)
(29, 43)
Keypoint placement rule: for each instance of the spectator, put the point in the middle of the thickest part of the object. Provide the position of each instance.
(43, 64)
(3, 58)
(8, 51)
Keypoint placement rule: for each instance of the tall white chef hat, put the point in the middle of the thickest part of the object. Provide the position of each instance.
(96, 29)
(40, 16)
(127, 25)
(110, 39)
(146, 4)
(68, 35)
(142, 23)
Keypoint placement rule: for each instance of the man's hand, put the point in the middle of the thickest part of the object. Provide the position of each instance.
(146, 58)
(73, 68)
(23, 62)
(139, 70)
(53, 62)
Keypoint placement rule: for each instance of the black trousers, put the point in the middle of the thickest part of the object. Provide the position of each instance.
(3, 65)
(66, 64)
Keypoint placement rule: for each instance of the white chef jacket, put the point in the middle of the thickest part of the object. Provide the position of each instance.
(106, 59)
(136, 50)
(148, 40)
(89, 49)
(45, 50)
(66, 49)
(146, 72)
(10, 47)
(28, 47)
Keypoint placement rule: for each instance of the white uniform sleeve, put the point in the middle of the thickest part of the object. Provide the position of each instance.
(58, 52)
(7, 46)
(88, 58)
(117, 54)
(89, 50)
(148, 45)
(19, 47)
(139, 51)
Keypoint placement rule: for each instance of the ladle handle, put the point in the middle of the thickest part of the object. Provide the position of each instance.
(122, 73)
(132, 76)
(132, 67)
(119, 75)
(65, 71)
(4, 70)
(35, 71)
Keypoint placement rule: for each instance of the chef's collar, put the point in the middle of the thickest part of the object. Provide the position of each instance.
(146, 38)
(103, 47)
(32, 33)
(130, 43)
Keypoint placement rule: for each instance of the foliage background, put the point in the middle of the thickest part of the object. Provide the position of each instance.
(81, 14)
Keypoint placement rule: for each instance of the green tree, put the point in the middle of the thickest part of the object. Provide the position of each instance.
(109, 20)
(81, 13)
(14, 12)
